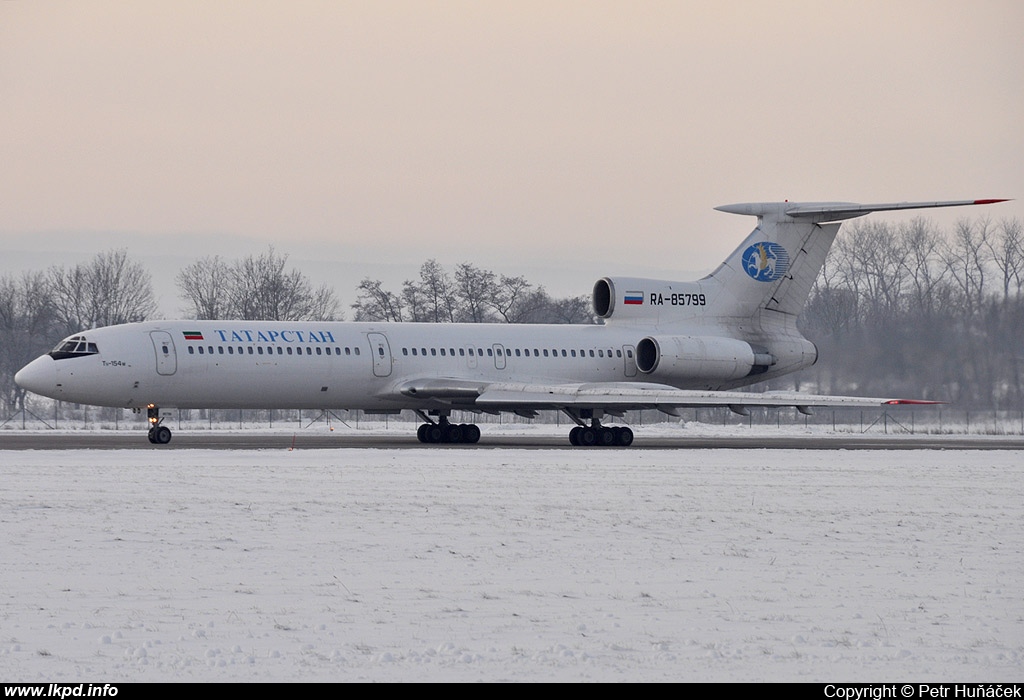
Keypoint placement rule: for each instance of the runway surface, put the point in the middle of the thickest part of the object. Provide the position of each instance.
(301, 440)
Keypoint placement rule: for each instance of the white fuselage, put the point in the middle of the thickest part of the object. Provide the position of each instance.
(264, 364)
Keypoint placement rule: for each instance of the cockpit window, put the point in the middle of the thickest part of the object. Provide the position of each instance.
(76, 346)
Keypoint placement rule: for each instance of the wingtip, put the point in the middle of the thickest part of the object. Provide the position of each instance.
(991, 201)
(913, 402)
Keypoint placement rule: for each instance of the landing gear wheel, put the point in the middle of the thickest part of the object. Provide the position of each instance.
(623, 437)
(453, 433)
(160, 435)
(574, 436)
(587, 437)
(470, 434)
(606, 437)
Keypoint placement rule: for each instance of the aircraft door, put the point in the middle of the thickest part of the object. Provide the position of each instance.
(381, 352)
(499, 356)
(166, 358)
(629, 358)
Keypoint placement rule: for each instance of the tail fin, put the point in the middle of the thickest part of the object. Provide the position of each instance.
(776, 265)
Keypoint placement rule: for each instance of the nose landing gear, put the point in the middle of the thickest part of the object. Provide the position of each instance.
(158, 434)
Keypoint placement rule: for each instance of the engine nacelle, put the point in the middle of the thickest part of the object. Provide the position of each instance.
(699, 360)
(647, 300)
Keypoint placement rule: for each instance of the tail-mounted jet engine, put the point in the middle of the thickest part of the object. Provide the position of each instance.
(648, 301)
(704, 361)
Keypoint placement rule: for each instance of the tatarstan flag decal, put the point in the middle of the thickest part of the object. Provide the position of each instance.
(193, 335)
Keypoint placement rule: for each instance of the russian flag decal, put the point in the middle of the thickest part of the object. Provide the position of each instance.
(192, 335)
(634, 298)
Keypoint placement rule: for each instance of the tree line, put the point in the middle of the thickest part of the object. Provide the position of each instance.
(906, 309)
(897, 309)
(40, 307)
(468, 295)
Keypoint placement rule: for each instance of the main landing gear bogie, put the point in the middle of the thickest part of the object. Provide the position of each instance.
(600, 436)
(449, 433)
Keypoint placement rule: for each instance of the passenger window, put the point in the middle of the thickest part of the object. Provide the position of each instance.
(191, 350)
(319, 351)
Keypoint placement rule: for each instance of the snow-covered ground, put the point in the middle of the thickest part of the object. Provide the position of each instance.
(461, 565)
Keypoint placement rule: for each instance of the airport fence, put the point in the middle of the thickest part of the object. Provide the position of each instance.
(891, 420)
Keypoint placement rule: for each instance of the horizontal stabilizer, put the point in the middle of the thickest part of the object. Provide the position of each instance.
(836, 211)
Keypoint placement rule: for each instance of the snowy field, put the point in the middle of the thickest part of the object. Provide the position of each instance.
(511, 565)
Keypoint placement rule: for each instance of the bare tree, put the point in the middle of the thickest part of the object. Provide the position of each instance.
(254, 288)
(1007, 253)
(965, 257)
(515, 300)
(569, 310)
(376, 303)
(204, 284)
(109, 290)
(438, 290)
(27, 329)
(474, 288)
(923, 265)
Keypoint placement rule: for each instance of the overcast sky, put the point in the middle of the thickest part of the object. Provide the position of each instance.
(519, 135)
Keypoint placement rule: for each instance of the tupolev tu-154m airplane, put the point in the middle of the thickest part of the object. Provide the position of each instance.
(663, 345)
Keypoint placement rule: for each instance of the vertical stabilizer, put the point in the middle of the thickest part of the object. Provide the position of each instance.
(776, 265)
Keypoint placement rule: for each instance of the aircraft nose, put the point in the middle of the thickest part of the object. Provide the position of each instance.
(39, 376)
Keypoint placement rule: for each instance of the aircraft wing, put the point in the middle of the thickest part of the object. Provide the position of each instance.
(620, 396)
